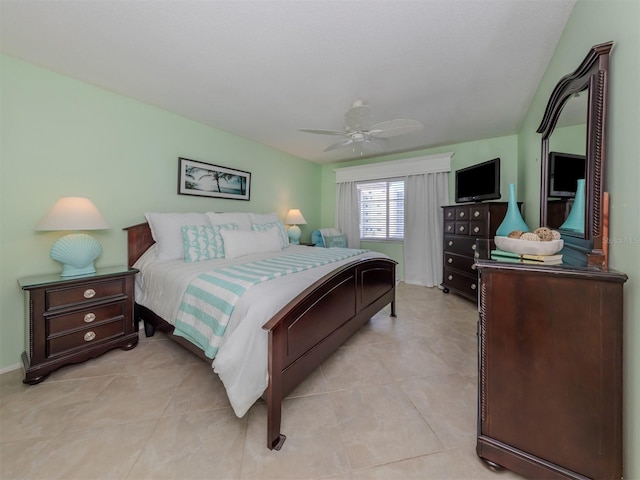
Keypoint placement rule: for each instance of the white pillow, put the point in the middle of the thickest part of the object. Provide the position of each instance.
(278, 227)
(261, 218)
(166, 229)
(239, 243)
(242, 219)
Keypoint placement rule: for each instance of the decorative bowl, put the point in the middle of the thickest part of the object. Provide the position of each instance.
(527, 247)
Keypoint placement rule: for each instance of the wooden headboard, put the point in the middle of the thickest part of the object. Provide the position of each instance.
(139, 239)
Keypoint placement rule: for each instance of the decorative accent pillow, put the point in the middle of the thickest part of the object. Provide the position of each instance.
(339, 241)
(240, 243)
(166, 229)
(242, 219)
(278, 226)
(204, 243)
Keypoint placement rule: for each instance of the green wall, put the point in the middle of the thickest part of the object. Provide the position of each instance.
(63, 137)
(593, 22)
(465, 154)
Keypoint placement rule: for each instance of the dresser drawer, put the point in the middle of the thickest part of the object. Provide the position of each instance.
(462, 228)
(85, 318)
(87, 292)
(463, 245)
(462, 213)
(467, 284)
(478, 212)
(59, 344)
(449, 227)
(460, 262)
(478, 228)
(449, 214)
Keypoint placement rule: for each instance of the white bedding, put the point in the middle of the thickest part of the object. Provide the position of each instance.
(241, 362)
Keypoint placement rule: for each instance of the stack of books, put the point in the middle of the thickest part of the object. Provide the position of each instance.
(504, 256)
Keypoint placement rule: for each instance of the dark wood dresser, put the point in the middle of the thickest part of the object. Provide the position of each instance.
(463, 225)
(550, 370)
(70, 320)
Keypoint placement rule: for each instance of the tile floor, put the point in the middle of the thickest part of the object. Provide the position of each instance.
(404, 408)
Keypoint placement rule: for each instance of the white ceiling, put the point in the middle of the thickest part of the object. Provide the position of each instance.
(262, 70)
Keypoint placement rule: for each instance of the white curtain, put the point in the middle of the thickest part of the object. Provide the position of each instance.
(423, 227)
(348, 212)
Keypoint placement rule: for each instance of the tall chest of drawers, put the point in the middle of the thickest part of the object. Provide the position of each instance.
(463, 225)
(70, 320)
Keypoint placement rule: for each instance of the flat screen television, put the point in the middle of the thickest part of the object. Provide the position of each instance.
(564, 171)
(478, 182)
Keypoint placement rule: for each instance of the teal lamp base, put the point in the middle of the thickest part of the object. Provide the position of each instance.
(294, 234)
(77, 253)
(575, 220)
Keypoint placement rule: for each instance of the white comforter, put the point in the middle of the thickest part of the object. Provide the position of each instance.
(241, 362)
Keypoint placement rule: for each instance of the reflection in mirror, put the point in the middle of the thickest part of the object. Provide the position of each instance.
(567, 161)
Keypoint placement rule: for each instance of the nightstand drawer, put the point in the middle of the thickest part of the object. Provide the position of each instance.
(87, 292)
(85, 318)
(58, 344)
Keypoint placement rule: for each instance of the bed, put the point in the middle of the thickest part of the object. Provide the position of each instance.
(305, 331)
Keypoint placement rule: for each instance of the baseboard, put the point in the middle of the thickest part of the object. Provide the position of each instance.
(10, 368)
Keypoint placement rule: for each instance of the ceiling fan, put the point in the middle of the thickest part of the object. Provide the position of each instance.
(361, 132)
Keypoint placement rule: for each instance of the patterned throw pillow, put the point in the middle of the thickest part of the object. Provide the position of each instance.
(339, 241)
(202, 242)
(282, 233)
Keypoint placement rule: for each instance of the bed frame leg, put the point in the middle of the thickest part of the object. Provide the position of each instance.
(393, 309)
(275, 439)
(149, 330)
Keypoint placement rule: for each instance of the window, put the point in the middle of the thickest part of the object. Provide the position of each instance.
(381, 210)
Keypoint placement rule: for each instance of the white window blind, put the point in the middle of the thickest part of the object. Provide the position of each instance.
(381, 210)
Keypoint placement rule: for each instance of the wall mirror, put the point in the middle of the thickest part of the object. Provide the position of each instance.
(573, 157)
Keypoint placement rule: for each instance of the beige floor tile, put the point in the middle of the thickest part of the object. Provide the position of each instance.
(313, 448)
(449, 405)
(363, 368)
(47, 408)
(409, 359)
(380, 425)
(397, 401)
(200, 445)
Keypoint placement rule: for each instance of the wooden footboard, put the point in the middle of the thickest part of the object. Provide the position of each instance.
(308, 329)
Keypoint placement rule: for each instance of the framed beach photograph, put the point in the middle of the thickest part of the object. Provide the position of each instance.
(207, 180)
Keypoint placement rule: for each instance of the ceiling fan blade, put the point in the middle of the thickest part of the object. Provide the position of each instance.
(358, 118)
(393, 128)
(341, 144)
(322, 132)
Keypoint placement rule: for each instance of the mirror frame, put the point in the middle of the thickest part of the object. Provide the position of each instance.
(591, 75)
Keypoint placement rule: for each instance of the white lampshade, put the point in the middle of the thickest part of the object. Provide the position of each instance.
(73, 213)
(76, 251)
(294, 217)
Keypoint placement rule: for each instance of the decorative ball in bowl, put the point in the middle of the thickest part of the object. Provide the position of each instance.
(528, 247)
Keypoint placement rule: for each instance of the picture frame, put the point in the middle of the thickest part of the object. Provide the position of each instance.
(208, 180)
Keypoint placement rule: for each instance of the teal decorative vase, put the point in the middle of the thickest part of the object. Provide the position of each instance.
(512, 220)
(575, 220)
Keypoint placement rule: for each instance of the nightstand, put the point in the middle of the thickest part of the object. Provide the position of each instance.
(73, 319)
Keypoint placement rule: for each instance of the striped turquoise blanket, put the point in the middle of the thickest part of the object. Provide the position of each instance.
(211, 297)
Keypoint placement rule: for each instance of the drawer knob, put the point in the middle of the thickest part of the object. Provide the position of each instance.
(473, 267)
(473, 247)
(89, 293)
(450, 277)
(476, 213)
(461, 228)
(461, 214)
(473, 286)
(450, 260)
(89, 336)
(89, 317)
(451, 243)
(476, 229)
(449, 228)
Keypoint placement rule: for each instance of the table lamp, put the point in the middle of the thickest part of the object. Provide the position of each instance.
(75, 251)
(294, 218)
